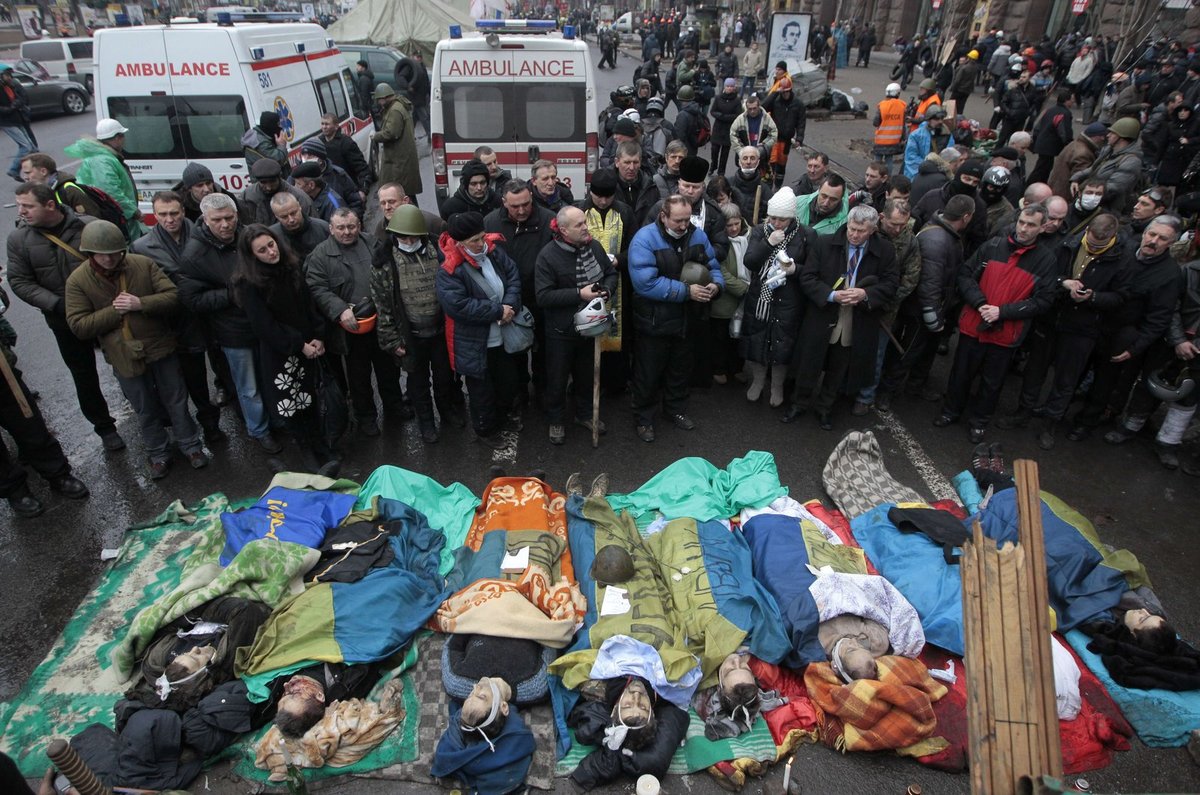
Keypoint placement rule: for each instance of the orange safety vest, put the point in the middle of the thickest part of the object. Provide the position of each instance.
(890, 131)
(932, 99)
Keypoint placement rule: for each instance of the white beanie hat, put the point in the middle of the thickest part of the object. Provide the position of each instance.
(782, 204)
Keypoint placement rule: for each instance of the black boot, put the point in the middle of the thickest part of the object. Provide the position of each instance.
(24, 504)
(1045, 437)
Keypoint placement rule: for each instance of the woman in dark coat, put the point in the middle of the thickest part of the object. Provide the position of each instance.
(1178, 141)
(269, 285)
(771, 314)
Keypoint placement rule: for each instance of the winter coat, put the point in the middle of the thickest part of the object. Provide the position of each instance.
(90, 314)
(935, 201)
(326, 202)
(920, 144)
(688, 123)
(931, 176)
(1020, 280)
(941, 258)
(313, 233)
(189, 330)
(38, 269)
(104, 168)
(640, 195)
(909, 265)
(561, 197)
(257, 144)
(259, 204)
(726, 305)
(748, 190)
(727, 65)
(714, 226)
(806, 209)
(523, 243)
(1185, 320)
(364, 83)
(1122, 175)
(332, 272)
(1173, 154)
(398, 160)
(344, 153)
(1052, 132)
(416, 76)
(14, 112)
(789, 115)
(461, 201)
(191, 207)
(705, 84)
(556, 277)
(963, 81)
(392, 326)
(768, 133)
(470, 312)
(655, 264)
(772, 340)
(204, 288)
(338, 181)
(1108, 276)
(1018, 102)
(1154, 291)
(753, 62)
(825, 265)
(1077, 156)
(725, 110)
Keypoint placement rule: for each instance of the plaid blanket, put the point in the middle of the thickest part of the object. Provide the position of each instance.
(894, 711)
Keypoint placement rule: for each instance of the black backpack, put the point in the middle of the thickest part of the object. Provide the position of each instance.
(107, 207)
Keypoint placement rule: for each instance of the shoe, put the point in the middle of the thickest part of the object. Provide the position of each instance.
(825, 420)
(1168, 455)
(883, 404)
(1078, 433)
(24, 504)
(645, 433)
(930, 395)
(198, 460)
(330, 468)
(70, 487)
(860, 409)
(1119, 435)
(792, 414)
(514, 423)
(683, 422)
(495, 440)
(996, 457)
(975, 435)
(429, 432)
(575, 484)
(599, 486)
(1046, 439)
(214, 435)
(1190, 465)
(1018, 419)
(587, 423)
(112, 440)
(979, 457)
(454, 415)
(159, 469)
(942, 420)
(269, 443)
(558, 434)
(720, 379)
(368, 426)
(221, 398)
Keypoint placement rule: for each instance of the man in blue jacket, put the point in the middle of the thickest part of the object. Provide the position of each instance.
(671, 262)
(921, 141)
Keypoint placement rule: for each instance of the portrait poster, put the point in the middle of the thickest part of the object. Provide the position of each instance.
(31, 21)
(789, 40)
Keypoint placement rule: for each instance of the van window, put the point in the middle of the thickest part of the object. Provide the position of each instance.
(382, 64)
(553, 113)
(476, 112)
(80, 49)
(43, 50)
(332, 97)
(352, 92)
(173, 128)
(514, 112)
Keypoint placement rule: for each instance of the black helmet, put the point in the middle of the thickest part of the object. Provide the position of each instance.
(623, 95)
(1171, 382)
(997, 176)
(612, 565)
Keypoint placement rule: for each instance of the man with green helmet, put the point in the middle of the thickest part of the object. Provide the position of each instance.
(410, 325)
(127, 303)
(1119, 164)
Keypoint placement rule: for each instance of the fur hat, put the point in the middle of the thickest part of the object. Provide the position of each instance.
(693, 169)
(604, 182)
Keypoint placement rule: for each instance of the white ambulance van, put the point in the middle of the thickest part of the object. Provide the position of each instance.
(521, 88)
(188, 94)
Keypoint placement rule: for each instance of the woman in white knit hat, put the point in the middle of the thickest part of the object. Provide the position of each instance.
(773, 305)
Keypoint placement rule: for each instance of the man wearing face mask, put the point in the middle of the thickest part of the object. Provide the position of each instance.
(572, 270)
(965, 183)
(410, 324)
(706, 215)
(1118, 165)
(1085, 207)
(474, 192)
(662, 351)
(751, 191)
(1006, 283)
(1000, 211)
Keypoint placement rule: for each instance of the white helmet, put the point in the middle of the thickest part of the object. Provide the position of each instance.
(593, 320)
(892, 90)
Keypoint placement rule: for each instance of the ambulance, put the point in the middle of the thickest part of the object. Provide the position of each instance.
(520, 87)
(188, 94)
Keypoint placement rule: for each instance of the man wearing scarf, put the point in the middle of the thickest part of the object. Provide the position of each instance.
(1008, 281)
(571, 271)
(1093, 276)
(547, 190)
(128, 304)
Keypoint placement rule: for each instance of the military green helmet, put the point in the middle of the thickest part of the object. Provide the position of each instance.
(102, 237)
(408, 220)
(612, 565)
(1126, 128)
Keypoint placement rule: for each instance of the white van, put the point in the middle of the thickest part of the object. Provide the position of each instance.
(521, 88)
(64, 59)
(626, 23)
(188, 94)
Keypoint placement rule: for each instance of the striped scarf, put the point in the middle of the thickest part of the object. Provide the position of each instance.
(762, 307)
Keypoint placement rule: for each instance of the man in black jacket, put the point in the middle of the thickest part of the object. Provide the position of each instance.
(38, 269)
(571, 271)
(690, 120)
(635, 185)
(339, 181)
(411, 71)
(301, 232)
(474, 192)
(343, 152)
(726, 107)
(364, 84)
(965, 183)
(208, 262)
(1051, 134)
(14, 119)
(790, 118)
(1092, 279)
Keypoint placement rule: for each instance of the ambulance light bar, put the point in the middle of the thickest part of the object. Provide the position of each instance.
(516, 25)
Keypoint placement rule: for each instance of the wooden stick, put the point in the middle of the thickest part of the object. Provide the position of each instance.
(18, 393)
(596, 394)
(982, 740)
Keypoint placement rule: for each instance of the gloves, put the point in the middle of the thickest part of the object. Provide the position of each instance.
(775, 277)
(860, 197)
(776, 237)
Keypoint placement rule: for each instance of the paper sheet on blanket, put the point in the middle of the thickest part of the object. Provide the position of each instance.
(515, 562)
(616, 601)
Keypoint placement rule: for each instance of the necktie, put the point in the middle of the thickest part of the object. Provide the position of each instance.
(852, 268)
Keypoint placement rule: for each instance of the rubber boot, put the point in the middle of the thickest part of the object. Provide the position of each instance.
(758, 379)
(778, 376)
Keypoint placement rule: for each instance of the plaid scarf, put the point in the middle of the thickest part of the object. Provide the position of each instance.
(762, 307)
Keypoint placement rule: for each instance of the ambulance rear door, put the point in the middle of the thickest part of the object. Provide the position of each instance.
(550, 108)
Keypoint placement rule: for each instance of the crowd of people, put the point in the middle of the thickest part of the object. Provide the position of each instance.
(682, 270)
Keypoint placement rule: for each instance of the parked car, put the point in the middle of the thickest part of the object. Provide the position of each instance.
(32, 67)
(380, 60)
(51, 97)
(65, 59)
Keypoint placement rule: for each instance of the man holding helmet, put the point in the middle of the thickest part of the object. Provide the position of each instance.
(128, 304)
(571, 273)
(410, 323)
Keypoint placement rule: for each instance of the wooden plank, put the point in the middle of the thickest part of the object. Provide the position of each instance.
(1016, 664)
(998, 681)
(981, 737)
(1031, 536)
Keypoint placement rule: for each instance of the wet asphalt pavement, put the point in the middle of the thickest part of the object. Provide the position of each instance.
(53, 561)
